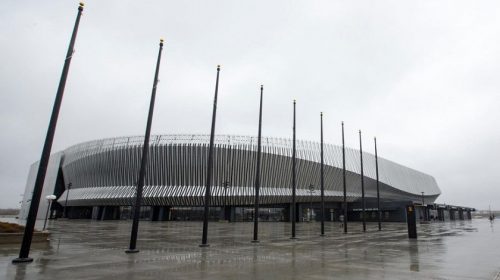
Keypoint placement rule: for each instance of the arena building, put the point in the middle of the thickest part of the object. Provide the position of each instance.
(97, 180)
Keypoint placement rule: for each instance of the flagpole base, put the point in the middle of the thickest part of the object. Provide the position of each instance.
(293, 238)
(22, 260)
(132, 251)
(255, 241)
(204, 245)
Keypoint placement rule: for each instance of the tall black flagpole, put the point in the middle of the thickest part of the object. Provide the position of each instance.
(257, 174)
(378, 189)
(362, 182)
(293, 177)
(44, 160)
(209, 166)
(322, 182)
(343, 180)
(140, 183)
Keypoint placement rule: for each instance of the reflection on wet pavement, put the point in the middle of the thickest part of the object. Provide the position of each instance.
(84, 249)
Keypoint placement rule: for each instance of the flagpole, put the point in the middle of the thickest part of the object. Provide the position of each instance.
(257, 174)
(344, 180)
(378, 189)
(140, 183)
(47, 147)
(209, 167)
(294, 186)
(322, 182)
(362, 182)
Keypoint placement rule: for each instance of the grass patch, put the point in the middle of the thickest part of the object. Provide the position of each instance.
(10, 228)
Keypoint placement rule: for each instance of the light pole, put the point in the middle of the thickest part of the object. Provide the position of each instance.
(311, 191)
(49, 198)
(66, 203)
(423, 207)
(226, 186)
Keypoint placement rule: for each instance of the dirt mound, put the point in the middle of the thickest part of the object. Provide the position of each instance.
(10, 228)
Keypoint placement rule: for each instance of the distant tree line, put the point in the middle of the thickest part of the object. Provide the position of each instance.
(9, 211)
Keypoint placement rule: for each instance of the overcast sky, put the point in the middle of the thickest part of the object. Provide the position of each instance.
(422, 76)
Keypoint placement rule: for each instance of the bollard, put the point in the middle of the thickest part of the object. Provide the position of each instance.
(411, 221)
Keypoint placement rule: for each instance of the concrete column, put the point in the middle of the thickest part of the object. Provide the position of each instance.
(103, 212)
(452, 215)
(461, 214)
(420, 212)
(469, 215)
(440, 214)
(446, 215)
(95, 213)
(100, 212)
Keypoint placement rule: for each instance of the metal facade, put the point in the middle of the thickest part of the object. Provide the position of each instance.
(104, 172)
(48, 186)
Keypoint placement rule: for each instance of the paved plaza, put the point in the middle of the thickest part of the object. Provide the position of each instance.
(85, 249)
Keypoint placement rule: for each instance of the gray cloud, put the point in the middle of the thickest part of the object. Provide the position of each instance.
(422, 76)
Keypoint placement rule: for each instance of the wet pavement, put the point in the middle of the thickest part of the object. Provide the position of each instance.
(84, 249)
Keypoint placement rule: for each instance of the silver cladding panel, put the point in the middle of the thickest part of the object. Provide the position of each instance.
(48, 186)
(104, 172)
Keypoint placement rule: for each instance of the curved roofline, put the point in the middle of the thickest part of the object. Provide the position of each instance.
(391, 173)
